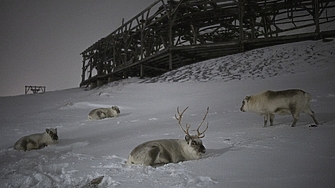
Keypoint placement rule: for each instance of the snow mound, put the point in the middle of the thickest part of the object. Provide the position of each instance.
(255, 64)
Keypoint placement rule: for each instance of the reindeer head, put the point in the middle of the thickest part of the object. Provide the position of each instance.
(245, 103)
(52, 133)
(116, 109)
(193, 140)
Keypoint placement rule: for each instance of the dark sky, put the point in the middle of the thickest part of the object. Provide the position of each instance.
(41, 40)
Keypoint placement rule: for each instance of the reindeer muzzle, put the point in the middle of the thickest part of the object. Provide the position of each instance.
(202, 149)
(54, 137)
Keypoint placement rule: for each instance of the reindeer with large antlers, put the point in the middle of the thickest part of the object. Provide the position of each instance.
(160, 152)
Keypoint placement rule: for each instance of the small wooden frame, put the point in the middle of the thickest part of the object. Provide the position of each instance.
(35, 89)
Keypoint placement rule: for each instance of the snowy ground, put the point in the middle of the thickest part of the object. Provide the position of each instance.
(240, 151)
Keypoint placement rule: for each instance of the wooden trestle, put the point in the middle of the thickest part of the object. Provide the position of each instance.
(170, 34)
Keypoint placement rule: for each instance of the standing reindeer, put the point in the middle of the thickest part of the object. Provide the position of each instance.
(160, 152)
(286, 102)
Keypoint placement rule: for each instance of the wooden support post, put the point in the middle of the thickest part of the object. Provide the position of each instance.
(316, 18)
(93, 84)
(125, 73)
(170, 43)
(170, 60)
(100, 82)
(172, 17)
(240, 4)
(141, 71)
(83, 69)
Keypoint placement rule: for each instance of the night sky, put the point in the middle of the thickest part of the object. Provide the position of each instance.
(41, 41)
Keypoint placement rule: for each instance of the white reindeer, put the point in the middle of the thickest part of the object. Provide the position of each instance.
(102, 113)
(160, 152)
(286, 102)
(37, 141)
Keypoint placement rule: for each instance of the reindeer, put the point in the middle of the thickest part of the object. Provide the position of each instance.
(286, 102)
(37, 141)
(102, 113)
(159, 152)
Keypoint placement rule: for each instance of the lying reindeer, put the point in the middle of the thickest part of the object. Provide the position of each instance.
(102, 113)
(160, 152)
(37, 141)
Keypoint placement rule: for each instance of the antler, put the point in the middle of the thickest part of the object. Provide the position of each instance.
(201, 134)
(179, 120)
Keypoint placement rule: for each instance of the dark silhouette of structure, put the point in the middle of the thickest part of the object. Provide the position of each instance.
(173, 33)
(34, 89)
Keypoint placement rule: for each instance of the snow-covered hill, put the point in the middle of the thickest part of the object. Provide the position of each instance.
(240, 151)
(259, 63)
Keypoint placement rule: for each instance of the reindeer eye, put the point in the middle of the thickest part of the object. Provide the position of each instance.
(193, 143)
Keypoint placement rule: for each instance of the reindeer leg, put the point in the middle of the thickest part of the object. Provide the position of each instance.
(272, 117)
(312, 114)
(314, 119)
(295, 119)
(31, 144)
(295, 115)
(153, 156)
(42, 145)
(266, 117)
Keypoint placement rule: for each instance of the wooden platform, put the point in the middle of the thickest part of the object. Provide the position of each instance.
(171, 34)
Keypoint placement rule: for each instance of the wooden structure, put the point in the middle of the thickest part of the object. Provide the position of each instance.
(173, 33)
(34, 89)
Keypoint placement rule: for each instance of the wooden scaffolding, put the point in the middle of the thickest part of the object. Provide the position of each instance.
(173, 33)
(34, 89)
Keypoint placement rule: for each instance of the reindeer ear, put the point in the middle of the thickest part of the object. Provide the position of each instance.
(47, 130)
(187, 138)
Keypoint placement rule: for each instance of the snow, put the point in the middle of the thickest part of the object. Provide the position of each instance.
(240, 151)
